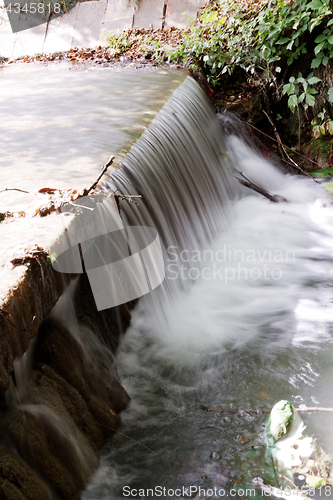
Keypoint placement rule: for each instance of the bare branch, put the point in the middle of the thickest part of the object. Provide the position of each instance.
(299, 154)
(272, 197)
(281, 146)
(86, 191)
(14, 189)
(228, 410)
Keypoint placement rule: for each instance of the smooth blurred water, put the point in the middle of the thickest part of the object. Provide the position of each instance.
(60, 123)
(245, 319)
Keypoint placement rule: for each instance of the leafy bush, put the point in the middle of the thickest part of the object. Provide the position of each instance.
(227, 37)
(264, 41)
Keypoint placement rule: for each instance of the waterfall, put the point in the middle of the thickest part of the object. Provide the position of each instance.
(243, 317)
(180, 168)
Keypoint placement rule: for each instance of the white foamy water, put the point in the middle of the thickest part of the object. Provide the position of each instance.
(249, 322)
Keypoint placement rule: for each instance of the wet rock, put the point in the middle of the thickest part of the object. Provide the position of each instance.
(108, 325)
(57, 348)
(17, 481)
(6, 356)
(39, 443)
(47, 379)
(22, 312)
(71, 401)
(71, 405)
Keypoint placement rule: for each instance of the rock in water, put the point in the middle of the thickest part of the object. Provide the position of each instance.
(281, 419)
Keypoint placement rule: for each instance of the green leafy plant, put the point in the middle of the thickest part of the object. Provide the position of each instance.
(119, 42)
(324, 127)
(300, 91)
(265, 42)
(227, 37)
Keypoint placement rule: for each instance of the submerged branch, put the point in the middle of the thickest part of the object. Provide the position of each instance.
(272, 197)
(14, 189)
(228, 410)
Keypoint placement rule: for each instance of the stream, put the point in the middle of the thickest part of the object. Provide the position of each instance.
(63, 122)
(242, 320)
(244, 317)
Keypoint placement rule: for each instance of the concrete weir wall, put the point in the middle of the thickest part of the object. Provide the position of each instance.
(58, 400)
(89, 22)
(60, 397)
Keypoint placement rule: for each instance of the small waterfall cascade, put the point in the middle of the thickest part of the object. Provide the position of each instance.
(180, 168)
(243, 317)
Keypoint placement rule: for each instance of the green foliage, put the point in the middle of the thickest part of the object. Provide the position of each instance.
(227, 37)
(284, 28)
(320, 172)
(220, 41)
(119, 42)
(143, 43)
(299, 91)
(263, 42)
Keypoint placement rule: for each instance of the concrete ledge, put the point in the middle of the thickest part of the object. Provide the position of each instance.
(27, 292)
(31, 290)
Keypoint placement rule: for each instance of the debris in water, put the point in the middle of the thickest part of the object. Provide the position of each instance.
(292, 452)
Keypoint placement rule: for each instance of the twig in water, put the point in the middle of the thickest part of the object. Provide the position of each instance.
(272, 197)
(228, 410)
(126, 435)
(290, 481)
(14, 189)
(304, 409)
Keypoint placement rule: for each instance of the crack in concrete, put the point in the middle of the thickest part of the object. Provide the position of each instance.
(46, 31)
(106, 8)
(164, 13)
(74, 26)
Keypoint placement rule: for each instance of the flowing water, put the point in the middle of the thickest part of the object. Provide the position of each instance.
(242, 320)
(244, 315)
(59, 124)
